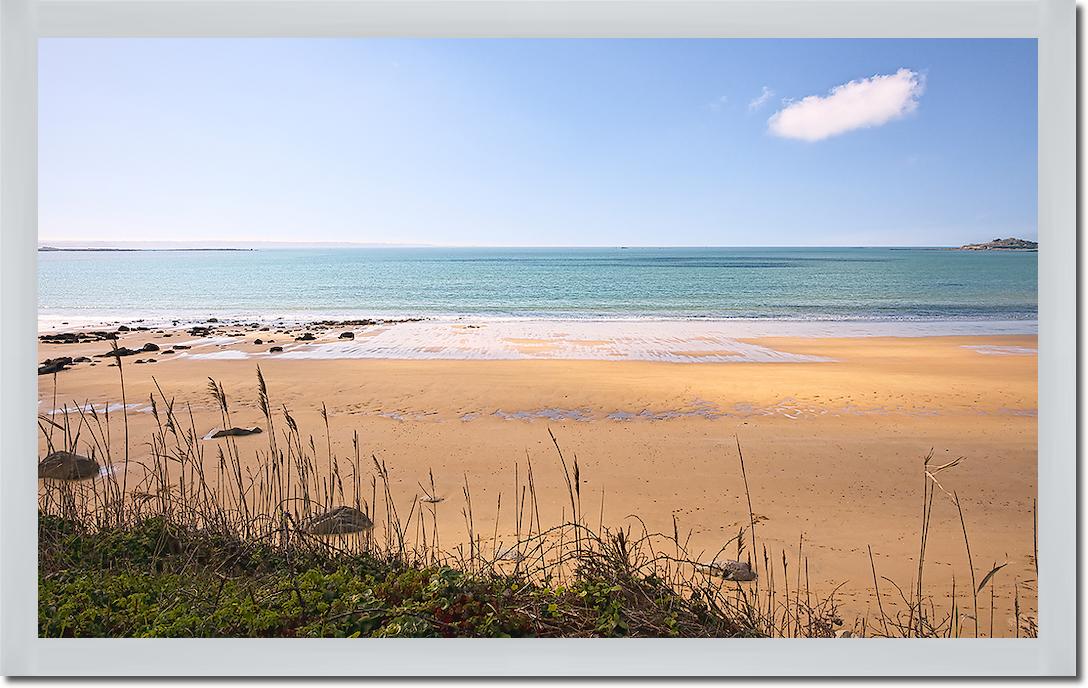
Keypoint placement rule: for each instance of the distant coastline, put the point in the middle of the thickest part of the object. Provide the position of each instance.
(50, 249)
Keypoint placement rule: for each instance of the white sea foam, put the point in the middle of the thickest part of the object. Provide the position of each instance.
(610, 340)
(674, 341)
(996, 350)
(100, 408)
(226, 355)
(617, 339)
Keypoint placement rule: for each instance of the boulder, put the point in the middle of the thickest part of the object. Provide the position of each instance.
(234, 432)
(150, 346)
(306, 337)
(258, 341)
(275, 349)
(54, 365)
(62, 465)
(347, 335)
(338, 521)
(733, 570)
(118, 352)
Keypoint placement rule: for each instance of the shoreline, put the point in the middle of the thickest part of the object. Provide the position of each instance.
(668, 340)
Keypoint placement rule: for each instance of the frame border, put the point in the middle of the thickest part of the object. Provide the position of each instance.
(1052, 22)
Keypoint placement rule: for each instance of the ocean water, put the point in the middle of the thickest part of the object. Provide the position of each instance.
(980, 290)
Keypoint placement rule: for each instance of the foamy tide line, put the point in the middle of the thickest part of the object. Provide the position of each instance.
(678, 342)
(674, 341)
(683, 341)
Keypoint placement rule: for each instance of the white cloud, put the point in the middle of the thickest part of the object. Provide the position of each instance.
(859, 104)
(760, 100)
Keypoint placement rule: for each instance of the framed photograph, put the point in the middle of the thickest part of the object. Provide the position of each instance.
(538, 338)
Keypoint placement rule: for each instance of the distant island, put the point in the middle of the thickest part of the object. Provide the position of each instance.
(1009, 244)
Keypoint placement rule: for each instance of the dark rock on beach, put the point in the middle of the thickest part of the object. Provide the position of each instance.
(150, 347)
(275, 350)
(306, 337)
(338, 521)
(740, 571)
(362, 323)
(54, 365)
(347, 335)
(258, 341)
(62, 465)
(118, 352)
(76, 337)
(234, 432)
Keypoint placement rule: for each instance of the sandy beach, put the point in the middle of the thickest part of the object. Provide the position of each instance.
(833, 429)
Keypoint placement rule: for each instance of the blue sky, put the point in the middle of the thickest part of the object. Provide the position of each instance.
(538, 142)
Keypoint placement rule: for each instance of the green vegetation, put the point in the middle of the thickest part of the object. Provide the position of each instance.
(153, 579)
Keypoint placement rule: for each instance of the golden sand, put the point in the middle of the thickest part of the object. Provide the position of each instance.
(833, 450)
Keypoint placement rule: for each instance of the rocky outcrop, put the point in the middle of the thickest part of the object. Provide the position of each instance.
(1009, 244)
(76, 337)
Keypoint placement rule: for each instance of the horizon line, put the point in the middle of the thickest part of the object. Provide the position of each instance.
(99, 244)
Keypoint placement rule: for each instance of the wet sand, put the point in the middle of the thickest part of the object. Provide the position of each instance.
(833, 439)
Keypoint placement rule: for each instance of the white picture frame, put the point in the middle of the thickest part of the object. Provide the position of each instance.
(1052, 22)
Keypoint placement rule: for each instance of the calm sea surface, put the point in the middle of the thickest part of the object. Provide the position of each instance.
(807, 284)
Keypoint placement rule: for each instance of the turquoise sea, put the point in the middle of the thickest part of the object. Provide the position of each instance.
(789, 284)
